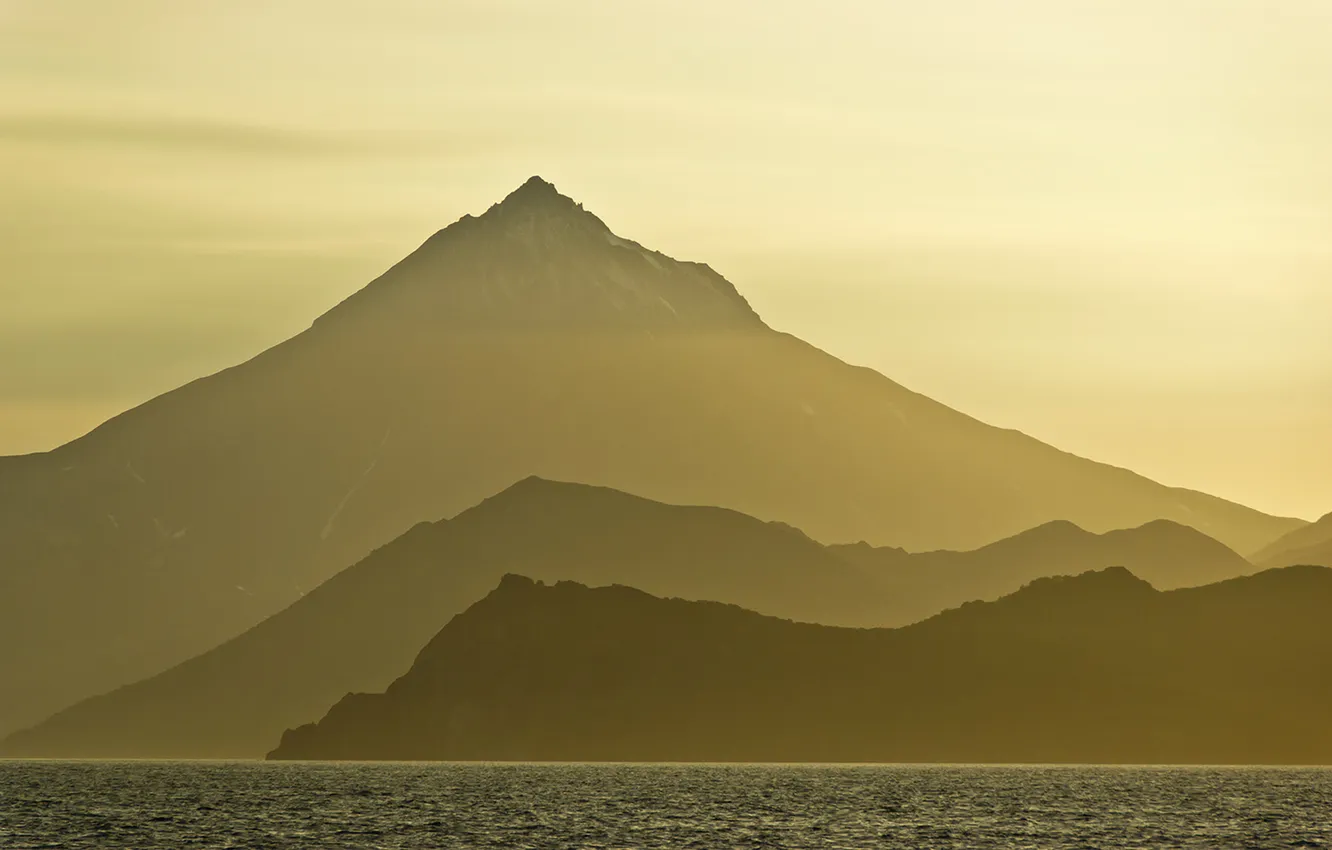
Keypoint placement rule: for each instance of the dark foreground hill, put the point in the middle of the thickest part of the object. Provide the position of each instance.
(1100, 668)
(360, 630)
(527, 340)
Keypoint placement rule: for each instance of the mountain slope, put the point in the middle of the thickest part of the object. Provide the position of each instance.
(1165, 554)
(1309, 545)
(361, 629)
(528, 340)
(1318, 555)
(1095, 669)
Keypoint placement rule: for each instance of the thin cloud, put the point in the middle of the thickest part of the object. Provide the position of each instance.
(199, 135)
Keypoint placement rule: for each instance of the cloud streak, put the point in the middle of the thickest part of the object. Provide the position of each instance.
(190, 134)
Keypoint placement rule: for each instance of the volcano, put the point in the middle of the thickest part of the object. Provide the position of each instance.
(529, 340)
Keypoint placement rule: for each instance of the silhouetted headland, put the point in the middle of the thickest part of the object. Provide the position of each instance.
(1100, 668)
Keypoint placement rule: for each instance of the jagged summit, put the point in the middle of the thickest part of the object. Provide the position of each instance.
(514, 583)
(535, 185)
(538, 261)
(536, 191)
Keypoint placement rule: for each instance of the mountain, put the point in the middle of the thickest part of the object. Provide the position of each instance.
(527, 340)
(1100, 668)
(1311, 544)
(1164, 553)
(362, 628)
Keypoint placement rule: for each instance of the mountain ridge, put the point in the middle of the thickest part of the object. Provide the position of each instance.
(1098, 668)
(363, 627)
(224, 703)
(1166, 554)
(1311, 544)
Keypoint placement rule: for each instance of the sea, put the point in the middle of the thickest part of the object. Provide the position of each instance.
(145, 804)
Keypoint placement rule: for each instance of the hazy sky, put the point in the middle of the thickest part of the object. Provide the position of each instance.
(1107, 224)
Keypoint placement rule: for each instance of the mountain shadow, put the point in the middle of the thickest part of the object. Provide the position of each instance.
(361, 629)
(529, 339)
(1100, 668)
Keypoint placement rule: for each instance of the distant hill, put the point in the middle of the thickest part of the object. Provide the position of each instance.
(1309, 545)
(1100, 668)
(918, 585)
(528, 340)
(360, 630)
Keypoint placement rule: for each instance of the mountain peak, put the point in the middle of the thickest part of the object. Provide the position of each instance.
(538, 260)
(541, 488)
(538, 196)
(1059, 532)
(534, 188)
(536, 183)
(515, 583)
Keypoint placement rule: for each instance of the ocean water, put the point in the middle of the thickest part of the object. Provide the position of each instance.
(178, 805)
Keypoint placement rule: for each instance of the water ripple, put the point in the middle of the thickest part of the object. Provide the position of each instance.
(177, 805)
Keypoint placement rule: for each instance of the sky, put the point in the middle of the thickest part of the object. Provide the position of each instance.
(1107, 224)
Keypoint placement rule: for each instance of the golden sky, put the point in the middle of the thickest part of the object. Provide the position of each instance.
(1107, 224)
